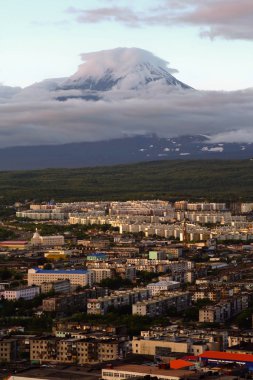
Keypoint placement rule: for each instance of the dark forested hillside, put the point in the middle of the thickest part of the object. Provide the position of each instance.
(217, 180)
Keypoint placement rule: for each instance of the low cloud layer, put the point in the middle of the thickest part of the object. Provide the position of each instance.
(225, 117)
(229, 19)
(150, 101)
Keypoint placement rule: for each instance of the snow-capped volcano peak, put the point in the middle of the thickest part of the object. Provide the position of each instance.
(121, 69)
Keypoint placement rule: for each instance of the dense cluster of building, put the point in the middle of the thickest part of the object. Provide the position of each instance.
(179, 275)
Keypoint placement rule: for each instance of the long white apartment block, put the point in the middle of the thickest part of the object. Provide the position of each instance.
(38, 276)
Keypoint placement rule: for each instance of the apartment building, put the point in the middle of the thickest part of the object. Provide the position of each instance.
(212, 295)
(160, 286)
(224, 310)
(69, 303)
(97, 256)
(38, 276)
(25, 292)
(101, 274)
(8, 350)
(59, 286)
(161, 304)
(78, 351)
(116, 300)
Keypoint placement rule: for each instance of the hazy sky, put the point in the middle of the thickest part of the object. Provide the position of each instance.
(210, 42)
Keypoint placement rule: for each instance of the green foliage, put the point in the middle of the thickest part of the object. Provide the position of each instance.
(78, 230)
(21, 307)
(116, 283)
(5, 274)
(145, 277)
(31, 324)
(173, 179)
(244, 319)
(6, 234)
(6, 212)
(134, 323)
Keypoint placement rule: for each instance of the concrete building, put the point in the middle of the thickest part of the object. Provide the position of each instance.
(116, 300)
(47, 241)
(101, 274)
(159, 347)
(26, 292)
(76, 277)
(59, 286)
(75, 351)
(14, 245)
(141, 371)
(72, 302)
(97, 256)
(161, 304)
(8, 350)
(224, 310)
(157, 287)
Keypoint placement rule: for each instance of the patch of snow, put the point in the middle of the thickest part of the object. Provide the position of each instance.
(213, 149)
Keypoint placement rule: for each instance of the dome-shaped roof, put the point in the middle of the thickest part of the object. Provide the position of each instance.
(36, 235)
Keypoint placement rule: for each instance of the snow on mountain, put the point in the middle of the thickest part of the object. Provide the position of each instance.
(121, 69)
(121, 73)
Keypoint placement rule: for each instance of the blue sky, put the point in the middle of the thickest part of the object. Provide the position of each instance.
(43, 39)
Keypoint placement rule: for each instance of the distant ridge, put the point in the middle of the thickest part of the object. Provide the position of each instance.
(119, 151)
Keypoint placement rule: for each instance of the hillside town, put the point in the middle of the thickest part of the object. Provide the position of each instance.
(119, 290)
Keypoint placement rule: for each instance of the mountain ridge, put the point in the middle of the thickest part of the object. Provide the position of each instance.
(119, 151)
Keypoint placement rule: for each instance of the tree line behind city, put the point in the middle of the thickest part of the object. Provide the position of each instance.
(215, 180)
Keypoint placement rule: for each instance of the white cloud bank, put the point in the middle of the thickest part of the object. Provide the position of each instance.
(33, 116)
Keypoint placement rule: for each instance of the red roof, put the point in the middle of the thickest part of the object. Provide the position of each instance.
(13, 242)
(191, 358)
(178, 364)
(227, 356)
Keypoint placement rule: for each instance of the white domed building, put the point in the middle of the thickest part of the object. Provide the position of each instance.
(47, 241)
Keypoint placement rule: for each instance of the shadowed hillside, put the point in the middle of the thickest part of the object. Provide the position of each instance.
(214, 180)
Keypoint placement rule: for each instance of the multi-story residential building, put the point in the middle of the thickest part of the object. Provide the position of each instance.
(126, 272)
(69, 303)
(78, 351)
(224, 310)
(101, 274)
(116, 300)
(38, 276)
(59, 286)
(157, 255)
(97, 256)
(8, 350)
(158, 287)
(26, 292)
(235, 339)
(161, 304)
(212, 295)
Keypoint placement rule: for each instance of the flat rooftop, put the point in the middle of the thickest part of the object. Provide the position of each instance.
(150, 370)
